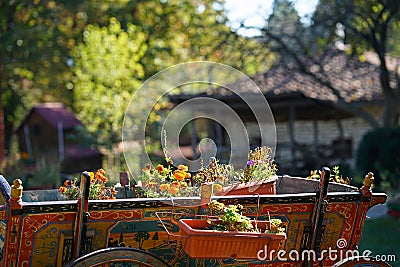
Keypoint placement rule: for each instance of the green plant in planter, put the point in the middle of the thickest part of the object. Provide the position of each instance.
(276, 226)
(260, 165)
(230, 218)
(335, 176)
(218, 174)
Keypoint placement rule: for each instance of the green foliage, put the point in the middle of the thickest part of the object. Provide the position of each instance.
(36, 37)
(285, 22)
(97, 187)
(46, 176)
(230, 218)
(379, 152)
(367, 24)
(180, 31)
(334, 177)
(107, 73)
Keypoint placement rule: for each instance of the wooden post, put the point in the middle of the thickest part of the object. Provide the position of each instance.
(366, 188)
(206, 193)
(316, 139)
(340, 128)
(13, 229)
(82, 216)
(291, 127)
(365, 204)
(317, 216)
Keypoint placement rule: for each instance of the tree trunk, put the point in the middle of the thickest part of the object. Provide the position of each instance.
(2, 129)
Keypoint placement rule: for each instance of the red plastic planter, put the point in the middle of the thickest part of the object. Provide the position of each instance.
(199, 243)
(261, 187)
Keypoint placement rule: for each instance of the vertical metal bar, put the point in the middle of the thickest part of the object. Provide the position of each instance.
(82, 215)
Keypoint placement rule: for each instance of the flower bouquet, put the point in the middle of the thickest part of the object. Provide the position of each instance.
(165, 181)
(97, 188)
(259, 176)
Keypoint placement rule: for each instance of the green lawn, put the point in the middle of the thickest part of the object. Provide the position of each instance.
(382, 237)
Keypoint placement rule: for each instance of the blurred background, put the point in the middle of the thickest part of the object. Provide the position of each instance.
(330, 70)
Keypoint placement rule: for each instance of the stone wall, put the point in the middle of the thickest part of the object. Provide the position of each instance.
(328, 131)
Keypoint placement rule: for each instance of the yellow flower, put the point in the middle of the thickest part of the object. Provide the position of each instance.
(183, 167)
(91, 174)
(217, 187)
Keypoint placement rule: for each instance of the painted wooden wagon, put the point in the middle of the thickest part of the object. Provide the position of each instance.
(321, 219)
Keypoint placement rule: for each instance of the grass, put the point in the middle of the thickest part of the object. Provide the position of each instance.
(382, 237)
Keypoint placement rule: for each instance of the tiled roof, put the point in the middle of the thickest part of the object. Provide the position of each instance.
(54, 113)
(356, 81)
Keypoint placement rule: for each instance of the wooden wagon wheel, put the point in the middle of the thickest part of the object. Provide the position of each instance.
(361, 262)
(116, 256)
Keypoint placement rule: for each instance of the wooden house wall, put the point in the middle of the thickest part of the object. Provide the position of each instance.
(43, 137)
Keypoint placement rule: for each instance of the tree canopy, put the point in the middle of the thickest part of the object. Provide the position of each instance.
(85, 53)
(106, 73)
(353, 26)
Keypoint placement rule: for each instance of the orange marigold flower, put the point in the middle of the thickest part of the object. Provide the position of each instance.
(179, 175)
(101, 177)
(98, 176)
(183, 167)
(217, 187)
(188, 175)
(160, 168)
(101, 171)
(173, 190)
(67, 183)
(164, 187)
(63, 189)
